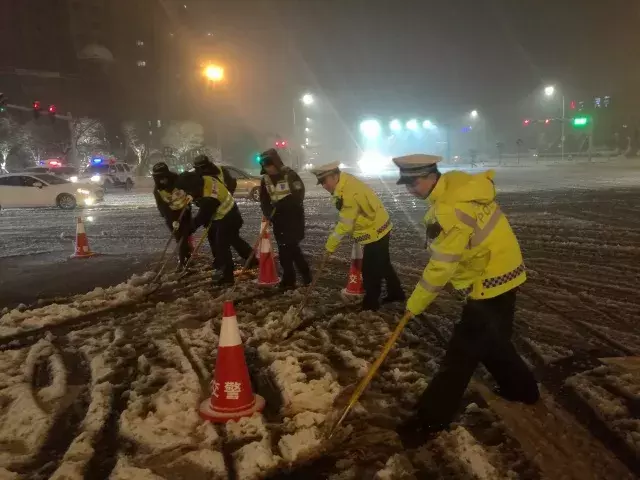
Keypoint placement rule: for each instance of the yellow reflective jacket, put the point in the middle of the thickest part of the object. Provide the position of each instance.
(176, 199)
(476, 249)
(362, 214)
(216, 188)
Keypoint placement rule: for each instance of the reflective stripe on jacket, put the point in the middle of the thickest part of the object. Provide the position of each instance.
(176, 198)
(362, 214)
(477, 250)
(280, 190)
(214, 188)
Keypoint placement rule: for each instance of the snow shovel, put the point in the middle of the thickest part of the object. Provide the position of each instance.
(198, 245)
(364, 383)
(163, 264)
(307, 295)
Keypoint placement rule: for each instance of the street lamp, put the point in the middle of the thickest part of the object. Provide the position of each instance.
(307, 99)
(213, 73)
(371, 129)
(412, 125)
(549, 91)
(395, 125)
(473, 114)
(427, 124)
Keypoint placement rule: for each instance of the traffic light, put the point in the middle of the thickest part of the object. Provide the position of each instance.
(547, 121)
(36, 109)
(580, 122)
(3, 103)
(281, 144)
(572, 105)
(52, 112)
(256, 158)
(526, 122)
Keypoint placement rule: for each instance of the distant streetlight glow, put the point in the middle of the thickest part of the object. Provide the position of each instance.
(474, 114)
(213, 73)
(395, 125)
(427, 124)
(370, 128)
(307, 99)
(412, 125)
(307, 129)
(549, 90)
(308, 120)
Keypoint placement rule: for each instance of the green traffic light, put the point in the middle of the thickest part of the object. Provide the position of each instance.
(580, 121)
(257, 158)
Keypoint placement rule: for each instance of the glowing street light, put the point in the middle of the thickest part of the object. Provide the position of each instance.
(412, 125)
(307, 129)
(395, 125)
(427, 124)
(474, 114)
(308, 120)
(213, 73)
(370, 128)
(307, 99)
(549, 90)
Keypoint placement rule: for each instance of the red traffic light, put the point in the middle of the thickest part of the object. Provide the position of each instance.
(281, 144)
(526, 122)
(547, 121)
(572, 105)
(53, 109)
(36, 105)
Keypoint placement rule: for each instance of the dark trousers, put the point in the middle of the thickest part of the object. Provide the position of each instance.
(483, 335)
(376, 266)
(225, 235)
(290, 256)
(182, 235)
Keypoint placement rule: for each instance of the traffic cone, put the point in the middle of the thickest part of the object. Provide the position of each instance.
(354, 280)
(82, 243)
(263, 226)
(267, 276)
(231, 394)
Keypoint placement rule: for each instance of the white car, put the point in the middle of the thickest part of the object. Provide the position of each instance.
(20, 190)
(109, 175)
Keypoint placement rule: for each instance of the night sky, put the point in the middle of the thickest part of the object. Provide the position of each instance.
(394, 57)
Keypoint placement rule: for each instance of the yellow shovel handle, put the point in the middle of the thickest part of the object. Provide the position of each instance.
(364, 383)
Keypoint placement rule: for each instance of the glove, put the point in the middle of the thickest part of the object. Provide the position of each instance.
(175, 225)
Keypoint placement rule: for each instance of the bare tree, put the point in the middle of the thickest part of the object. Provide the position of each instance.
(11, 136)
(183, 137)
(140, 144)
(89, 135)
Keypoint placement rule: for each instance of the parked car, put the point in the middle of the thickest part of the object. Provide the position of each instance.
(68, 173)
(108, 175)
(20, 190)
(248, 185)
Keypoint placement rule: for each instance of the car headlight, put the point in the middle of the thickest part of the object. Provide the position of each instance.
(89, 201)
(83, 191)
(73, 179)
(95, 178)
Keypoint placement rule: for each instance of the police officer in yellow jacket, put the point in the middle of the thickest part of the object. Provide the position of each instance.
(174, 206)
(216, 207)
(205, 167)
(363, 216)
(473, 248)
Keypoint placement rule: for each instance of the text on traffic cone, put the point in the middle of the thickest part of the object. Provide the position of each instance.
(231, 394)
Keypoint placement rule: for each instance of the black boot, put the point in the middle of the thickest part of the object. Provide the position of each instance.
(220, 279)
(413, 432)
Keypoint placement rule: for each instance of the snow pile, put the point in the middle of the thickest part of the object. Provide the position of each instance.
(24, 423)
(255, 460)
(125, 471)
(246, 427)
(81, 449)
(168, 418)
(19, 319)
(277, 325)
(300, 395)
(460, 446)
(398, 467)
(303, 441)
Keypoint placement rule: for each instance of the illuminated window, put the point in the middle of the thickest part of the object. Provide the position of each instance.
(142, 63)
(140, 43)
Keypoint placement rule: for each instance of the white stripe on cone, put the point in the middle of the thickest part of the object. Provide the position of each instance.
(229, 332)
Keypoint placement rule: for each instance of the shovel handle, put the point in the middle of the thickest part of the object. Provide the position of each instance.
(199, 244)
(364, 383)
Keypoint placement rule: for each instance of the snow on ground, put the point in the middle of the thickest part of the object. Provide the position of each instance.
(147, 368)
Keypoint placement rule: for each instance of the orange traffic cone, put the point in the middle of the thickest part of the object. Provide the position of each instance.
(231, 396)
(263, 231)
(267, 277)
(354, 281)
(82, 243)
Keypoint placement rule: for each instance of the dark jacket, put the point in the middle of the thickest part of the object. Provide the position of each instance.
(163, 207)
(288, 219)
